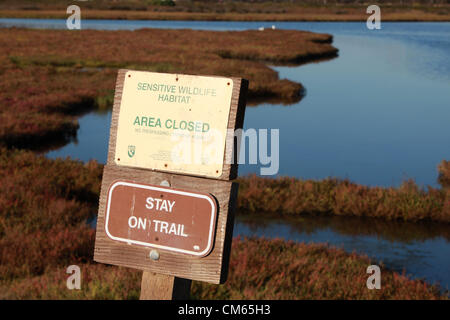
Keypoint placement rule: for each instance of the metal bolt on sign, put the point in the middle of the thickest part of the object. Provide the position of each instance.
(165, 183)
(154, 255)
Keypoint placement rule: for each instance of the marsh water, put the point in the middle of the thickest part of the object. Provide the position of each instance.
(378, 114)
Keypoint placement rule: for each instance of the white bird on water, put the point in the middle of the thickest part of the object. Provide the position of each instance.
(262, 28)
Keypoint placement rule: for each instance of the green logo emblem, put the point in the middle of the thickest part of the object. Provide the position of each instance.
(131, 151)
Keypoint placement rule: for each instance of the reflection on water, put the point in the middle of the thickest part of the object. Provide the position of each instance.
(405, 232)
(422, 250)
(91, 141)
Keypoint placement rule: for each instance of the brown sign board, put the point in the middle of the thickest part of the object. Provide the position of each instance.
(211, 268)
(161, 218)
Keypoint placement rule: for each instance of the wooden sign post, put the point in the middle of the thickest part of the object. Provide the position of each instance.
(167, 200)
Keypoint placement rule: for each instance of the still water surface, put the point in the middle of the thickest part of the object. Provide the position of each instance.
(377, 114)
(420, 250)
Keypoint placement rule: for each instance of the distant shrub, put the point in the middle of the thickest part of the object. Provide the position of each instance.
(444, 173)
(167, 3)
(341, 197)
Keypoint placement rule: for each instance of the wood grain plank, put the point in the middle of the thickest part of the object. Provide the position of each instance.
(163, 287)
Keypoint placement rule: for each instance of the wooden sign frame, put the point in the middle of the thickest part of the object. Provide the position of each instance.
(214, 267)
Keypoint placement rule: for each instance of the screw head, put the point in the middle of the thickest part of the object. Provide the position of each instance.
(154, 255)
(165, 183)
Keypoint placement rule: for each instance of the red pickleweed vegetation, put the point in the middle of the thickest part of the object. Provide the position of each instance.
(444, 174)
(98, 281)
(310, 10)
(276, 269)
(47, 76)
(259, 269)
(44, 205)
(37, 103)
(342, 197)
(44, 208)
